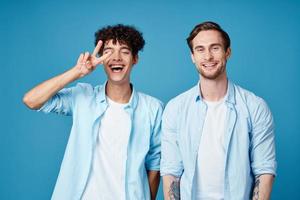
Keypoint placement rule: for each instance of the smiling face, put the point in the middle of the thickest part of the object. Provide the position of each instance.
(119, 64)
(209, 54)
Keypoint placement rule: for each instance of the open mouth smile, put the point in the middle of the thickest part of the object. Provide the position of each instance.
(116, 67)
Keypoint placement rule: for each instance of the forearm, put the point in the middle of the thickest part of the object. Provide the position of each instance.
(263, 187)
(153, 178)
(37, 96)
(171, 187)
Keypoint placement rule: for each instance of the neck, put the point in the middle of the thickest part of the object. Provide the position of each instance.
(118, 93)
(213, 90)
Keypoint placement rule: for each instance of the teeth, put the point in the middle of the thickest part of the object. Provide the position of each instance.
(116, 66)
(117, 70)
(209, 64)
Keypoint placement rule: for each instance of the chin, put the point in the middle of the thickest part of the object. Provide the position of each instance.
(118, 81)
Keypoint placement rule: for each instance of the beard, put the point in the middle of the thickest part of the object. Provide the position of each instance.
(211, 76)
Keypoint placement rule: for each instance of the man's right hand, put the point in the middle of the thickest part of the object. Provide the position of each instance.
(87, 62)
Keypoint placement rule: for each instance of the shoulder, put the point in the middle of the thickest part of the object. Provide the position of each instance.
(149, 101)
(256, 106)
(249, 98)
(183, 98)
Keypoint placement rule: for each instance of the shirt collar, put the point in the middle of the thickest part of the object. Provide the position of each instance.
(101, 97)
(230, 97)
(196, 91)
(230, 93)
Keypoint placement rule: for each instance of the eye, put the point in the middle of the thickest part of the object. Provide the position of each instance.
(127, 52)
(216, 48)
(107, 51)
(200, 50)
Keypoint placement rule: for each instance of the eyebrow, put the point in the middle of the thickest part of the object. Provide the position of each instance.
(211, 45)
(122, 47)
(125, 47)
(107, 48)
(216, 44)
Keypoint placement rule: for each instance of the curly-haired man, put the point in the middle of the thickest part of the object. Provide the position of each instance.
(113, 150)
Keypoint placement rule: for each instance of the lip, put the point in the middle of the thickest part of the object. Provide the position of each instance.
(117, 67)
(210, 64)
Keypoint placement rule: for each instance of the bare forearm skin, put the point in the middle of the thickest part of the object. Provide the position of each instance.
(171, 187)
(153, 179)
(37, 96)
(86, 63)
(263, 187)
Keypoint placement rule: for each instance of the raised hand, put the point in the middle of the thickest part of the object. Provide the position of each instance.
(87, 62)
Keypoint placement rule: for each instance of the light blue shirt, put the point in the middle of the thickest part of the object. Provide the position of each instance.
(87, 105)
(249, 140)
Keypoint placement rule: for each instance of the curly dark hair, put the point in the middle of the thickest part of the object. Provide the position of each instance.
(124, 34)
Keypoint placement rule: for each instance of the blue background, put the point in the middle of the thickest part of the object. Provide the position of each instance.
(40, 39)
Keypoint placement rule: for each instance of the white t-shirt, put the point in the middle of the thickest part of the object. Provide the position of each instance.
(107, 176)
(210, 166)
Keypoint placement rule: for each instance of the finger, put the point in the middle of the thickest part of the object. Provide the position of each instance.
(79, 60)
(103, 57)
(85, 57)
(97, 48)
(88, 63)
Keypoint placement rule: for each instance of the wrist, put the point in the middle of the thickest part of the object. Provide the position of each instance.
(76, 72)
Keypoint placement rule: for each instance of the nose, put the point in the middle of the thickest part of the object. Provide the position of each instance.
(208, 55)
(116, 56)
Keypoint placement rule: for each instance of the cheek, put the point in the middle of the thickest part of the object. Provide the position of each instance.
(196, 59)
(224, 59)
(131, 61)
(105, 63)
(127, 59)
(220, 57)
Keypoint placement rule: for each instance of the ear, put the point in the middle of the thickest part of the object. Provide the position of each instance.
(192, 57)
(228, 52)
(135, 59)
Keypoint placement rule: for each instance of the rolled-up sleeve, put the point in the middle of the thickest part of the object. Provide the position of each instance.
(263, 159)
(171, 162)
(154, 154)
(60, 103)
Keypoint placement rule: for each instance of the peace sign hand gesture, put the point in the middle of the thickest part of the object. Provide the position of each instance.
(87, 63)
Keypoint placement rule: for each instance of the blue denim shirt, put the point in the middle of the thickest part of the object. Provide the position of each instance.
(249, 140)
(87, 105)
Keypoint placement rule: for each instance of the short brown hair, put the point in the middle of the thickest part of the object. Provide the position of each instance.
(208, 26)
